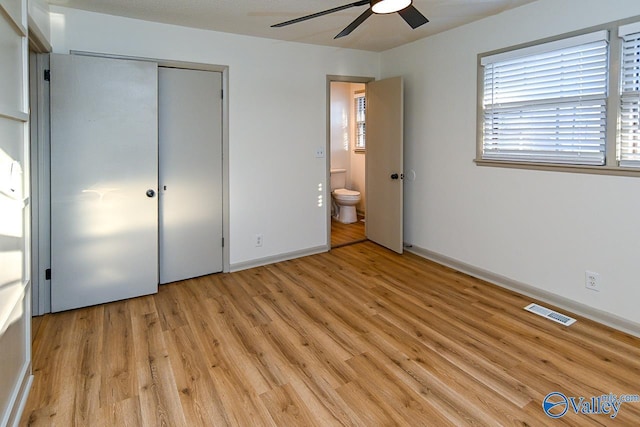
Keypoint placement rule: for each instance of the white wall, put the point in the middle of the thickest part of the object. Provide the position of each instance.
(543, 229)
(39, 22)
(15, 299)
(340, 125)
(277, 116)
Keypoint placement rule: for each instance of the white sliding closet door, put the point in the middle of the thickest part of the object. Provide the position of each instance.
(104, 176)
(190, 141)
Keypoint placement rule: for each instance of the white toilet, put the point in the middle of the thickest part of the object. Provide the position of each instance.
(344, 200)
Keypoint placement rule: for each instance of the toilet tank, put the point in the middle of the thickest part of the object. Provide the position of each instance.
(338, 178)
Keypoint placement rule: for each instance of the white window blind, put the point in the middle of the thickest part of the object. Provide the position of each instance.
(547, 104)
(629, 131)
(360, 107)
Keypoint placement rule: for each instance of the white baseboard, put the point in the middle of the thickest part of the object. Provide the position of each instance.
(20, 399)
(584, 310)
(277, 258)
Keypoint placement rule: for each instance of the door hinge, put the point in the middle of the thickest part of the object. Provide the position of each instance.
(223, 242)
(47, 75)
(221, 93)
(47, 274)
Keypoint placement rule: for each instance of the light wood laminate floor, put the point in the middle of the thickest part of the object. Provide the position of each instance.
(347, 234)
(359, 336)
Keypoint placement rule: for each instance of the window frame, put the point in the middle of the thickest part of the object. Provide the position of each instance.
(622, 149)
(611, 165)
(356, 96)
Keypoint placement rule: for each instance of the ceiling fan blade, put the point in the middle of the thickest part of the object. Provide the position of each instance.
(359, 20)
(412, 16)
(324, 12)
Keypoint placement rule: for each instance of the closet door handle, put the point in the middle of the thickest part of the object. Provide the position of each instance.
(151, 193)
(394, 176)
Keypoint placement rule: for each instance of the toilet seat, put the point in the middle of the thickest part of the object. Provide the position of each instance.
(345, 194)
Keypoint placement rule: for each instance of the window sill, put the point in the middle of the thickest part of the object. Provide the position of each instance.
(596, 170)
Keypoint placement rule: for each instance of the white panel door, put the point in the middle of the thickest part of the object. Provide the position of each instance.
(190, 136)
(104, 175)
(384, 165)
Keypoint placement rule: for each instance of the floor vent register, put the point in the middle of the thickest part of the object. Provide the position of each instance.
(550, 314)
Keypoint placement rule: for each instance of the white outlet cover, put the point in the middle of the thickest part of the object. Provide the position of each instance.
(589, 277)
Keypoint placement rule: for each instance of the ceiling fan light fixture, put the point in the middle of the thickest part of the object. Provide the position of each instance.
(389, 6)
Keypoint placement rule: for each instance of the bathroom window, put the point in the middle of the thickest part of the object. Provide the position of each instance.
(360, 107)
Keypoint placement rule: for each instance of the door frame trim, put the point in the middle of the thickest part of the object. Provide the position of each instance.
(331, 78)
(224, 69)
(40, 168)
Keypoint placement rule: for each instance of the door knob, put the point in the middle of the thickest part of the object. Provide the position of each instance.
(150, 193)
(394, 176)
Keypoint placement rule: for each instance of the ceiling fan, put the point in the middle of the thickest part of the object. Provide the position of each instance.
(404, 8)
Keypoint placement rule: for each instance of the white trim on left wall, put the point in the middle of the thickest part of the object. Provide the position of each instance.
(15, 261)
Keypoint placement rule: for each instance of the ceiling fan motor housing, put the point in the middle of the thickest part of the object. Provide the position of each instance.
(389, 6)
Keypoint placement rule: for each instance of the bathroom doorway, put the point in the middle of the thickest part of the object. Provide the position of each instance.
(347, 159)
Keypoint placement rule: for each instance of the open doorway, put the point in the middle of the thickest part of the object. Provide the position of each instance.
(383, 189)
(347, 160)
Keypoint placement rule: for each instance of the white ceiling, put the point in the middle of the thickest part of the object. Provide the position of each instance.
(254, 18)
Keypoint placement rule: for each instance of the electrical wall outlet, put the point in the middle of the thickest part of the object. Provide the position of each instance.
(259, 239)
(592, 280)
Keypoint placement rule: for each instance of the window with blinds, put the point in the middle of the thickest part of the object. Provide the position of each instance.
(360, 109)
(547, 103)
(629, 123)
